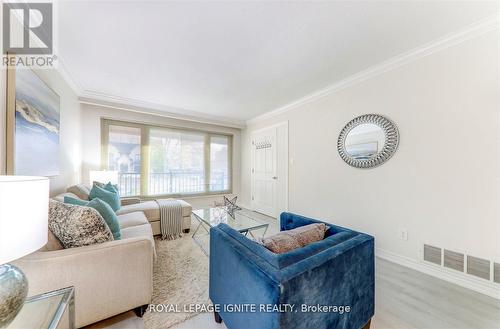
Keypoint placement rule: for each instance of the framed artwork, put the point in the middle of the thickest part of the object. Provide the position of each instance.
(33, 124)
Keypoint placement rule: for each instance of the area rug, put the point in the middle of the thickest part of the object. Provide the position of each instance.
(180, 277)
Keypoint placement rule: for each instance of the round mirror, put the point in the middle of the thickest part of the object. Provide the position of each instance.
(368, 141)
(365, 141)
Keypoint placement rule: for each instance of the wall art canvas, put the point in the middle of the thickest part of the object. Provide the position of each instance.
(36, 126)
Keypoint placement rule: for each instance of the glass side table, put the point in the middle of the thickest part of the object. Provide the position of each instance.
(45, 311)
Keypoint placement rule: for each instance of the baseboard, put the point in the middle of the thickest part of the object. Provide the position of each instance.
(244, 205)
(482, 286)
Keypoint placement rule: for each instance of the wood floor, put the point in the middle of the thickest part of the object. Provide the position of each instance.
(409, 299)
(405, 299)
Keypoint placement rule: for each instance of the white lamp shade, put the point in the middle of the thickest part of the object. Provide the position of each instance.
(24, 209)
(103, 176)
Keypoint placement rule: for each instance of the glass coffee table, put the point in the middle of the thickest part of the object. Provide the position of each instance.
(243, 221)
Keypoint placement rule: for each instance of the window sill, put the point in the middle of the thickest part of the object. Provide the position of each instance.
(182, 196)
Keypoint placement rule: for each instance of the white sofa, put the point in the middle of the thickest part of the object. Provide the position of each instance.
(109, 278)
(149, 208)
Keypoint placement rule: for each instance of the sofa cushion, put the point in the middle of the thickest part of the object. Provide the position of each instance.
(80, 190)
(299, 237)
(132, 219)
(77, 226)
(111, 198)
(151, 209)
(141, 231)
(104, 210)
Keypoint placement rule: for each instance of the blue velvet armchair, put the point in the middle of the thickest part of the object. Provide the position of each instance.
(329, 284)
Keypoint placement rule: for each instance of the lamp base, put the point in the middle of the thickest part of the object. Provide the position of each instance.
(13, 291)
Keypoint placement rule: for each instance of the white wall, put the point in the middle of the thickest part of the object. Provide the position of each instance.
(91, 141)
(69, 158)
(442, 184)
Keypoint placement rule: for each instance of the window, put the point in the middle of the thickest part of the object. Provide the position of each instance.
(176, 162)
(124, 156)
(219, 163)
(154, 161)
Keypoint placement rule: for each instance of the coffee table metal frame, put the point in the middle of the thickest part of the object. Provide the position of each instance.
(207, 225)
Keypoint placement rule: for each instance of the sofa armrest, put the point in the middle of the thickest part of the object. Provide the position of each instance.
(109, 278)
(129, 201)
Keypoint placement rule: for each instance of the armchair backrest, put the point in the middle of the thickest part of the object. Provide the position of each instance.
(289, 221)
(334, 236)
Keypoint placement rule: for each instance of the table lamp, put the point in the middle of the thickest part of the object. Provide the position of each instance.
(103, 176)
(24, 203)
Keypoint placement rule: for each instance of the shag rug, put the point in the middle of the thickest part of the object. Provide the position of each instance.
(180, 277)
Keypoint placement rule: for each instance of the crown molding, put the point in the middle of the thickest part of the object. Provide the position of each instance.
(68, 77)
(470, 32)
(138, 106)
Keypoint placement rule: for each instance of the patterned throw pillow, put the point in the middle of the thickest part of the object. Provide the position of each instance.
(104, 210)
(299, 237)
(77, 226)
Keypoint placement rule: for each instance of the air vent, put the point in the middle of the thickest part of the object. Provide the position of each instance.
(453, 260)
(432, 254)
(496, 271)
(478, 267)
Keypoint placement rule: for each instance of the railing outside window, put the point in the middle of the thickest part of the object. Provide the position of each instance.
(161, 161)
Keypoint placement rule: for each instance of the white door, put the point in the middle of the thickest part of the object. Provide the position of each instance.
(264, 172)
(270, 170)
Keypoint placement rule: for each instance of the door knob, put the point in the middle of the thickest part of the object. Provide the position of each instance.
(275, 177)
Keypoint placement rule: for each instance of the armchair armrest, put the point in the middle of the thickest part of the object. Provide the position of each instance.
(342, 276)
(237, 277)
(118, 274)
(128, 201)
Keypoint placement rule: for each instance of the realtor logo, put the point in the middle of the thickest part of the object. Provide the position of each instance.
(27, 28)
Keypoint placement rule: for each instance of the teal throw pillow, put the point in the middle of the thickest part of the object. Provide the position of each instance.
(111, 198)
(103, 209)
(108, 187)
(112, 188)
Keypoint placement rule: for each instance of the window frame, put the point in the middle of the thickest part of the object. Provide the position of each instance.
(145, 129)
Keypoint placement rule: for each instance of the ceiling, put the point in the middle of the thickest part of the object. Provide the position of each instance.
(238, 60)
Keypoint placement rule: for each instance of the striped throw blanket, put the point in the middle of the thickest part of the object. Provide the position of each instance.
(170, 218)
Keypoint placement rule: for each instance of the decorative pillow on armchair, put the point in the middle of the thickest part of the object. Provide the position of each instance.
(299, 237)
(77, 226)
